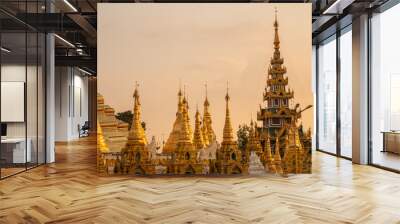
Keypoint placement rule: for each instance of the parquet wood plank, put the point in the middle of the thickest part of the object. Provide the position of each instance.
(71, 191)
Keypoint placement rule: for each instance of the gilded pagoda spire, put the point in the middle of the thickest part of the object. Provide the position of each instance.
(270, 166)
(229, 159)
(136, 157)
(251, 130)
(180, 101)
(198, 135)
(276, 60)
(185, 128)
(185, 112)
(185, 134)
(228, 130)
(253, 143)
(136, 133)
(208, 132)
(256, 134)
(277, 157)
(297, 137)
(204, 133)
(277, 97)
(276, 38)
(174, 136)
(268, 150)
(297, 144)
(206, 103)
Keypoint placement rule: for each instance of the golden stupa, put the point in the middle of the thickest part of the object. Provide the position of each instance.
(198, 140)
(136, 156)
(253, 143)
(185, 112)
(267, 156)
(229, 157)
(182, 147)
(173, 138)
(208, 131)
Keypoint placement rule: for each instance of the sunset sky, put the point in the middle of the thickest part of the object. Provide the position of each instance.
(158, 45)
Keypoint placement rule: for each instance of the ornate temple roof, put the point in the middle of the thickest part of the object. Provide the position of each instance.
(277, 109)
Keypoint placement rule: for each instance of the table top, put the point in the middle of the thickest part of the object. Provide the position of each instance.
(391, 132)
(13, 140)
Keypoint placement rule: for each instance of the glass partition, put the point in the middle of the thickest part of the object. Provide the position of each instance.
(385, 89)
(346, 93)
(22, 77)
(13, 94)
(327, 96)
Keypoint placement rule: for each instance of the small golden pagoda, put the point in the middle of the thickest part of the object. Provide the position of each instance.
(229, 157)
(254, 142)
(185, 112)
(253, 145)
(208, 132)
(267, 157)
(183, 155)
(306, 140)
(136, 157)
(277, 161)
(204, 133)
(198, 134)
(173, 138)
(293, 158)
(185, 158)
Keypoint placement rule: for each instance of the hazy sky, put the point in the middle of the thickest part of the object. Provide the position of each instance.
(160, 44)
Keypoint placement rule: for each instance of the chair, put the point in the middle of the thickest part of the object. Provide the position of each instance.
(84, 130)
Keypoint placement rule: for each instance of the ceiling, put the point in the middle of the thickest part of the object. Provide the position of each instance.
(76, 22)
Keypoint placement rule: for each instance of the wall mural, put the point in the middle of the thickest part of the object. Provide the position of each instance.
(275, 142)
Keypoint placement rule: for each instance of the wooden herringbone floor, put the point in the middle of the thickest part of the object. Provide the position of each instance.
(70, 191)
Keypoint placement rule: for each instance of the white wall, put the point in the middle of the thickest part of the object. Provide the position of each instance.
(12, 73)
(61, 103)
(33, 127)
(71, 103)
(80, 110)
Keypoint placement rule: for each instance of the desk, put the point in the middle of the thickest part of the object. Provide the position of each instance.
(13, 150)
(391, 141)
